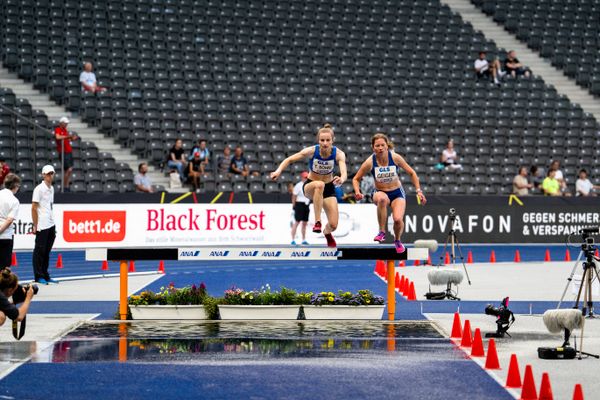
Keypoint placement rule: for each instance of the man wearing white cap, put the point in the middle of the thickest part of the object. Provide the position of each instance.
(43, 225)
(65, 152)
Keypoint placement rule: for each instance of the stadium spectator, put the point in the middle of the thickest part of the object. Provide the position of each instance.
(4, 170)
(239, 164)
(176, 158)
(559, 176)
(520, 185)
(485, 69)
(513, 67)
(204, 153)
(224, 161)
(44, 229)
(195, 170)
(551, 186)
(9, 210)
(301, 210)
(449, 157)
(88, 80)
(537, 177)
(142, 180)
(583, 186)
(65, 151)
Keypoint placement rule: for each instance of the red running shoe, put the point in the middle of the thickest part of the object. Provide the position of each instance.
(330, 240)
(317, 227)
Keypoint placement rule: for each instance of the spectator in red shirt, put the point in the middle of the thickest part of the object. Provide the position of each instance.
(63, 145)
(4, 170)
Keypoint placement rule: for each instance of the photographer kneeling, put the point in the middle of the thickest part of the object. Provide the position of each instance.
(9, 286)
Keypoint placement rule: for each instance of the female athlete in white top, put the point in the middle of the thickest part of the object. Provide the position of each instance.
(384, 164)
(320, 185)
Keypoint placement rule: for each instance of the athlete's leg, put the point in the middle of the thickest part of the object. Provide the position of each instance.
(330, 205)
(398, 209)
(382, 201)
(314, 191)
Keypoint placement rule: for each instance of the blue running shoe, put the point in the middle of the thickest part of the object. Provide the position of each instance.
(42, 281)
(294, 243)
(304, 243)
(54, 281)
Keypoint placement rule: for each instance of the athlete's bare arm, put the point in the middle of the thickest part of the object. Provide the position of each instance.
(399, 160)
(340, 157)
(302, 154)
(362, 171)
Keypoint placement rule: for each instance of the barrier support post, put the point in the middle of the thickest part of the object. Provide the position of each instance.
(123, 292)
(391, 292)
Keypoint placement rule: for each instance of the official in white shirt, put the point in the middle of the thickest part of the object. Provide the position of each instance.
(9, 209)
(301, 210)
(43, 225)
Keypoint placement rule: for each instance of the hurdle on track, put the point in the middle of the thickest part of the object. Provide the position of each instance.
(256, 253)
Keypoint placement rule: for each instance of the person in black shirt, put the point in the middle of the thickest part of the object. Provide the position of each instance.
(513, 67)
(176, 158)
(195, 170)
(9, 284)
(239, 164)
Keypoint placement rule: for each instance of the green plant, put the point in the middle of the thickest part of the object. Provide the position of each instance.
(361, 298)
(189, 295)
(211, 307)
(264, 296)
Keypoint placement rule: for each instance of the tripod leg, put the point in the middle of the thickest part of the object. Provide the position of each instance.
(570, 278)
(583, 321)
(444, 249)
(580, 288)
(590, 280)
(462, 259)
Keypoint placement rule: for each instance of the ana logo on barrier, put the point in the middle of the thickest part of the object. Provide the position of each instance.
(248, 253)
(330, 253)
(189, 253)
(271, 253)
(219, 253)
(300, 254)
(94, 226)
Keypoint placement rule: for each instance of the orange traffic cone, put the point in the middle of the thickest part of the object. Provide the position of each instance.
(429, 260)
(417, 263)
(493, 256)
(546, 388)
(161, 267)
(401, 263)
(567, 255)
(597, 253)
(529, 392)
(517, 256)
(470, 257)
(578, 392)
(477, 348)
(397, 280)
(467, 339)
(412, 294)
(491, 361)
(547, 256)
(401, 285)
(104, 265)
(513, 379)
(132, 266)
(447, 258)
(59, 262)
(456, 327)
(14, 262)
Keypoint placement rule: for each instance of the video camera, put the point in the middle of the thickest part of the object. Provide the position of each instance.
(504, 318)
(21, 292)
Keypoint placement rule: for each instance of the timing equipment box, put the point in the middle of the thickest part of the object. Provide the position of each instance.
(556, 353)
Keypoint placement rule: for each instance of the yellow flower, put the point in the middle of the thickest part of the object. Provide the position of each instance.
(330, 298)
(367, 301)
(330, 294)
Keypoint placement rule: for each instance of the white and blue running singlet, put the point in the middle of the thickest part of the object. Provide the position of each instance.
(385, 174)
(320, 165)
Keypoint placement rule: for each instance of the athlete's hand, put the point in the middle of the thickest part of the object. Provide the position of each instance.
(358, 196)
(337, 181)
(274, 175)
(422, 198)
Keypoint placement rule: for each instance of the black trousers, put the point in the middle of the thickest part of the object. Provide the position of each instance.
(44, 240)
(6, 248)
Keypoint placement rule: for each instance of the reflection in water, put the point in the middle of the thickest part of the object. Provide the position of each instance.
(248, 340)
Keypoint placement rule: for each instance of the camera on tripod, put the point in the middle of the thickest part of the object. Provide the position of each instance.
(504, 319)
(452, 212)
(21, 292)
